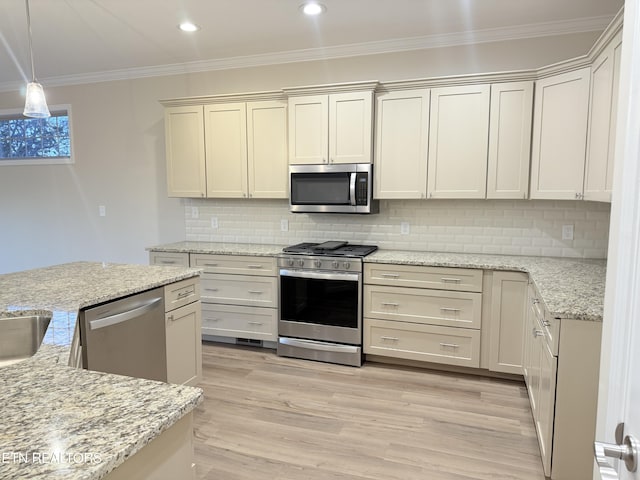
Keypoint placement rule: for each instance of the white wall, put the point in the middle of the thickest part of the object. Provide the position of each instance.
(49, 214)
(509, 227)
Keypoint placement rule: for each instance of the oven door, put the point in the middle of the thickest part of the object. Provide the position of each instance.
(321, 306)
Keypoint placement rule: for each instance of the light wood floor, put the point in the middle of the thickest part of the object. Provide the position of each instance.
(268, 417)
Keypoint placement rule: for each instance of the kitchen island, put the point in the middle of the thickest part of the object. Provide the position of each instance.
(59, 421)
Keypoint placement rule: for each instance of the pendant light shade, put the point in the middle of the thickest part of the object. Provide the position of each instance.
(35, 104)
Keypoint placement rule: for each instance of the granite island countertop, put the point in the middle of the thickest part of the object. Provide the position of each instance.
(569, 287)
(58, 421)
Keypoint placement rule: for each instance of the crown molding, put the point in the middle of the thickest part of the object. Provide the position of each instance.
(341, 51)
(224, 98)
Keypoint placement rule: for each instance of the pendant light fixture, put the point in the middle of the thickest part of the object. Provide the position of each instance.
(35, 104)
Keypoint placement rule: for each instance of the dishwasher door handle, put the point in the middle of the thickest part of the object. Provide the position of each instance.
(124, 316)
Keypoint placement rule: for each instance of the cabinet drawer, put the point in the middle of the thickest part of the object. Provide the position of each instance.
(460, 279)
(169, 258)
(433, 307)
(240, 290)
(235, 264)
(240, 322)
(448, 345)
(181, 293)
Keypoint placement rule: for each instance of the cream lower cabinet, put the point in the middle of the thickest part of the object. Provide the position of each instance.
(507, 321)
(561, 363)
(239, 296)
(560, 135)
(169, 258)
(426, 324)
(183, 323)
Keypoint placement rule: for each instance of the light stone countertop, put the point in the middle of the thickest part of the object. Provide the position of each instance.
(93, 420)
(253, 249)
(570, 288)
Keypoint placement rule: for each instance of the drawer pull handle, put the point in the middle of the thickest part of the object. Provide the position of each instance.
(447, 309)
(254, 266)
(535, 301)
(390, 304)
(546, 323)
(256, 323)
(168, 262)
(537, 333)
(214, 319)
(210, 264)
(449, 279)
(211, 289)
(182, 295)
(390, 339)
(257, 292)
(449, 345)
(390, 275)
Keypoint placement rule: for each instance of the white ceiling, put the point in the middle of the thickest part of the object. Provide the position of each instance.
(84, 40)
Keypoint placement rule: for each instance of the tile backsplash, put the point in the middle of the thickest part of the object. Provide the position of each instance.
(510, 227)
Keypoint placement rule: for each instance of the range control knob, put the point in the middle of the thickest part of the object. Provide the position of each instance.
(290, 262)
(346, 265)
(301, 263)
(335, 264)
(317, 263)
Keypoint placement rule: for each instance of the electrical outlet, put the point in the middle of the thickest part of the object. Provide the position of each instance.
(102, 210)
(567, 232)
(405, 228)
(284, 225)
(195, 212)
(214, 222)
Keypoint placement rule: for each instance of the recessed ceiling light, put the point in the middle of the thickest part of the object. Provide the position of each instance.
(313, 8)
(188, 27)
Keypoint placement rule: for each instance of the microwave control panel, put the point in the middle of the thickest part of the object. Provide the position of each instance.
(362, 188)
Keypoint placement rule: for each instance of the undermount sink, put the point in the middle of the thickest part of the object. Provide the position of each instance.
(21, 337)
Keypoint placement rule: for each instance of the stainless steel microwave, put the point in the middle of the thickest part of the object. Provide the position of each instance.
(335, 188)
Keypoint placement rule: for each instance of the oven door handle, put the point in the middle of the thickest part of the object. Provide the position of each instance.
(315, 345)
(352, 277)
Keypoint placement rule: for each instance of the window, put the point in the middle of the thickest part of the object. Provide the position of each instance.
(26, 141)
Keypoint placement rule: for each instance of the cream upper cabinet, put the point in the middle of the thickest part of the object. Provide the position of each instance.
(559, 135)
(333, 128)
(605, 76)
(226, 146)
(267, 149)
(509, 140)
(458, 142)
(402, 130)
(184, 139)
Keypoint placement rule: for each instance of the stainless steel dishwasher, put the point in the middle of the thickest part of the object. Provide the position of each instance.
(126, 336)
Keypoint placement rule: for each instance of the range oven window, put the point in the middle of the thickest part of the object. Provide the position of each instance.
(320, 188)
(319, 301)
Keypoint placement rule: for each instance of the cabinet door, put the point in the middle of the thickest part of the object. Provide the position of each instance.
(309, 129)
(559, 135)
(268, 166)
(351, 127)
(226, 147)
(184, 345)
(402, 129)
(546, 404)
(605, 71)
(184, 142)
(458, 142)
(509, 140)
(508, 317)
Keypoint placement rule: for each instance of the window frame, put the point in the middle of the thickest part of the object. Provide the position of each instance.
(43, 160)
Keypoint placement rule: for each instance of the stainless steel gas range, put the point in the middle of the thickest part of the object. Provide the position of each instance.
(320, 316)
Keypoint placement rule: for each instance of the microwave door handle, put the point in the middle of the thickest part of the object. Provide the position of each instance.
(352, 188)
